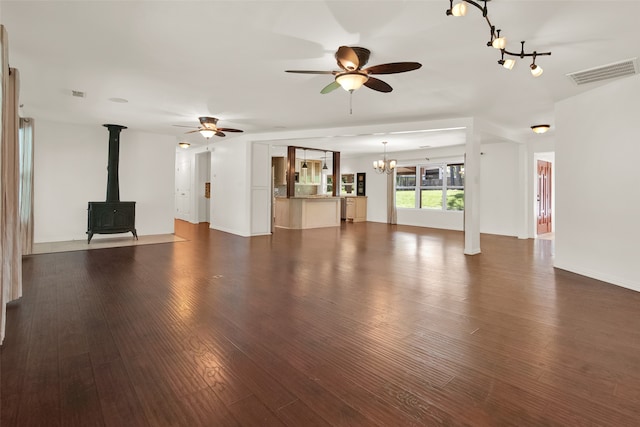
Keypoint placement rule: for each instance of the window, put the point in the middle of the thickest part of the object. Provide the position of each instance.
(438, 187)
(406, 187)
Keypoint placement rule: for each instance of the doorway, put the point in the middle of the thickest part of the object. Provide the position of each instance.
(544, 207)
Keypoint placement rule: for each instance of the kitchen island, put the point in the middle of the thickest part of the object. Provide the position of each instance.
(307, 212)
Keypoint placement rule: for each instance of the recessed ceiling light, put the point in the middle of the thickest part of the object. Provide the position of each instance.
(119, 100)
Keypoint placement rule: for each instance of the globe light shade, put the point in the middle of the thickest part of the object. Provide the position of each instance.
(499, 42)
(207, 133)
(459, 9)
(509, 63)
(352, 81)
(536, 70)
(540, 128)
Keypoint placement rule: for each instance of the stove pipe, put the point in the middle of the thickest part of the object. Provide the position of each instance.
(113, 186)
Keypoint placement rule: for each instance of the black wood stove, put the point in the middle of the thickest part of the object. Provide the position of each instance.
(112, 216)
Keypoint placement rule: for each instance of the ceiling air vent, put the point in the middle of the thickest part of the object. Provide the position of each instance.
(627, 67)
(78, 93)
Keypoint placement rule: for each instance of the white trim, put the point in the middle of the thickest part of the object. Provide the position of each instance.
(610, 279)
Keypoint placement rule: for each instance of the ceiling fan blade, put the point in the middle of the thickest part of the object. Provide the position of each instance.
(377, 84)
(309, 72)
(229, 130)
(193, 131)
(363, 55)
(182, 126)
(347, 58)
(330, 87)
(218, 133)
(394, 67)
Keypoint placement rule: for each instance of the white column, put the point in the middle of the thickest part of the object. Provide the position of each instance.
(472, 194)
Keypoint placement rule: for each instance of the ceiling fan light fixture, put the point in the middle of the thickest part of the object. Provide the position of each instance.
(207, 133)
(352, 81)
(540, 128)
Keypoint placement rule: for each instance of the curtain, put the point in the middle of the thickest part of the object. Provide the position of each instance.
(392, 212)
(10, 241)
(25, 138)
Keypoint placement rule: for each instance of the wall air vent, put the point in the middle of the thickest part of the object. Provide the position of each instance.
(624, 68)
(78, 93)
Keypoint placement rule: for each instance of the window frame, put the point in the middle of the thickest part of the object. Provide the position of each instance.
(445, 176)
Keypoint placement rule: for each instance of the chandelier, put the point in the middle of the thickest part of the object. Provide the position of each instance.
(496, 40)
(384, 165)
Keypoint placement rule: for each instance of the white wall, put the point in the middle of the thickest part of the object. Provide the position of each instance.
(261, 189)
(597, 182)
(203, 175)
(70, 169)
(499, 200)
(230, 189)
(375, 185)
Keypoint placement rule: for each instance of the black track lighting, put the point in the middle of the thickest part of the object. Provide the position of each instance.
(495, 39)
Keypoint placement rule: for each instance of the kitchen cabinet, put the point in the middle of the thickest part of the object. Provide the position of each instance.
(313, 173)
(355, 208)
(347, 180)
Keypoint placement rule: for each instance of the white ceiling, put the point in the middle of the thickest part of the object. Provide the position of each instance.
(177, 60)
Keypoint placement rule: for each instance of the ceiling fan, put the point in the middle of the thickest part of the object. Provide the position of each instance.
(352, 76)
(208, 128)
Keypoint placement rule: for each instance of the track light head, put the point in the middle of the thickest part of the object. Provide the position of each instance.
(536, 70)
(507, 63)
(459, 9)
(499, 42)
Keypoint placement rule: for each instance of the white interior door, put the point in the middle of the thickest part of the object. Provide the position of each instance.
(183, 190)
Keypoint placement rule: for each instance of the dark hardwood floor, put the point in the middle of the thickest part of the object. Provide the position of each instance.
(362, 325)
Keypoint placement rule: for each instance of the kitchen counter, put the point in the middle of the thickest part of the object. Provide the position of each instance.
(307, 212)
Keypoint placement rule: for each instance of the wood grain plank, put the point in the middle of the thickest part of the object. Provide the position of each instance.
(119, 402)
(363, 324)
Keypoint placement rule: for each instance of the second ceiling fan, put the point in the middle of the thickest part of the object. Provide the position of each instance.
(208, 128)
(352, 76)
